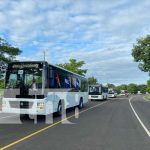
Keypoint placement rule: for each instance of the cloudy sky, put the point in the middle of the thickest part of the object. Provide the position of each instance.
(100, 32)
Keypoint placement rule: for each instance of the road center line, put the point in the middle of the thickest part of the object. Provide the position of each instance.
(142, 124)
(45, 128)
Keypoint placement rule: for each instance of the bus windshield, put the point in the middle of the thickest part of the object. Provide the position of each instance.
(24, 75)
(94, 90)
(30, 78)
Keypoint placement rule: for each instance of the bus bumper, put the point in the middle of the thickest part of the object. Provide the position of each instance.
(31, 107)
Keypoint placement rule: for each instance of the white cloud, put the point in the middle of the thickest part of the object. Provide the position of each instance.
(100, 32)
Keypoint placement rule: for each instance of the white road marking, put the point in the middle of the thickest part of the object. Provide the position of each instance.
(142, 124)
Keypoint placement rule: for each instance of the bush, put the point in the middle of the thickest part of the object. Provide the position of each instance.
(1, 84)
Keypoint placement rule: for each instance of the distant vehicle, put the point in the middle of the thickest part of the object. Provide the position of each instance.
(98, 92)
(124, 93)
(42, 89)
(112, 94)
(139, 93)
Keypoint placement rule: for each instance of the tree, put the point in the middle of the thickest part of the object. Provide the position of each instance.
(121, 87)
(7, 54)
(109, 85)
(92, 81)
(74, 66)
(148, 85)
(132, 88)
(1, 84)
(142, 88)
(141, 53)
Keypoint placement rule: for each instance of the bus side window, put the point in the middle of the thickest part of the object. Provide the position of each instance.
(52, 78)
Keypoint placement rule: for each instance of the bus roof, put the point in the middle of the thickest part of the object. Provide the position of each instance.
(97, 85)
(49, 65)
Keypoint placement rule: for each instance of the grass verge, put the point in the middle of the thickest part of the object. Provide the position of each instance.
(147, 97)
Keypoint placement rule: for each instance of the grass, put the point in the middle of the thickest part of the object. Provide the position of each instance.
(147, 96)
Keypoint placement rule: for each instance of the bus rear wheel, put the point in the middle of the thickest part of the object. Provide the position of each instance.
(59, 108)
(80, 103)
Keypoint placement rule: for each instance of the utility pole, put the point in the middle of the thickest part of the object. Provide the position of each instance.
(44, 54)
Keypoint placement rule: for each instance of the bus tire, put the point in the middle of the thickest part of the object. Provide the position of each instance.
(61, 107)
(24, 117)
(80, 103)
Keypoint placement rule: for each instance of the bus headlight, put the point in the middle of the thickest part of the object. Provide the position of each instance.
(40, 105)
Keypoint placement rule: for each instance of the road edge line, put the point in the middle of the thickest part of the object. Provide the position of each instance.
(138, 118)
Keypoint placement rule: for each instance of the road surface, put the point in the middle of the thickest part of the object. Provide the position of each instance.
(104, 125)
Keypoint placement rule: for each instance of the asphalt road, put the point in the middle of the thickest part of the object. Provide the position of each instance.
(104, 125)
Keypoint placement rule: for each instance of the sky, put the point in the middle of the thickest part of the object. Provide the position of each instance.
(100, 32)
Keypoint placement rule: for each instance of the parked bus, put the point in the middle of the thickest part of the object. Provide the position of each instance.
(39, 88)
(98, 92)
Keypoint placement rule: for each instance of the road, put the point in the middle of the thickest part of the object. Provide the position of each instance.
(104, 125)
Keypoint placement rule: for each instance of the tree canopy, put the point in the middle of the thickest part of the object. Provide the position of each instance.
(74, 66)
(92, 81)
(141, 53)
(132, 88)
(109, 85)
(7, 52)
(148, 85)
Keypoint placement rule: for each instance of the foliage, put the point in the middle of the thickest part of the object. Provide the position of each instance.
(141, 53)
(121, 87)
(132, 88)
(109, 85)
(142, 88)
(148, 85)
(92, 81)
(7, 52)
(1, 84)
(74, 66)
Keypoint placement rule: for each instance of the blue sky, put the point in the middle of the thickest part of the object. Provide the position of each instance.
(100, 32)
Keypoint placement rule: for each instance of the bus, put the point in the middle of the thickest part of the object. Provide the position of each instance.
(98, 92)
(39, 88)
(112, 93)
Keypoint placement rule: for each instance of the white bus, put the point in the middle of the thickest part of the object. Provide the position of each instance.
(98, 92)
(39, 88)
(112, 93)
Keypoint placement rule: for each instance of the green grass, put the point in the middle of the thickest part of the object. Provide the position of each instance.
(147, 96)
